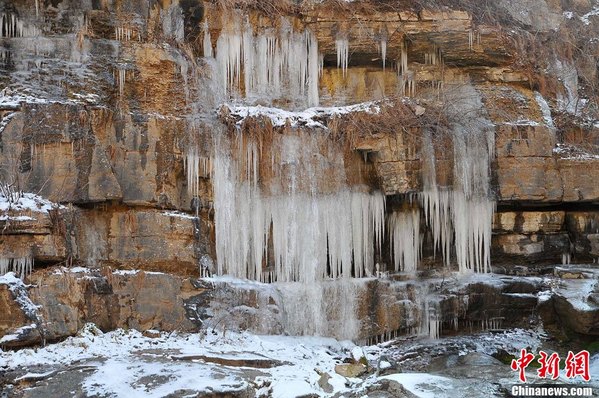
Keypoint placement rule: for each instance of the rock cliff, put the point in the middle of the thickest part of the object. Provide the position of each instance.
(171, 136)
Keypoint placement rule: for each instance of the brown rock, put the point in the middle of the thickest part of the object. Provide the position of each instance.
(524, 140)
(529, 221)
(529, 179)
(152, 240)
(12, 316)
(350, 369)
(579, 179)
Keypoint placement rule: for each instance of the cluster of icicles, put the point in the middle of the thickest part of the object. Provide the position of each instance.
(122, 33)
(316, 236)
(283, 63)
(277, 63)
(12, 26)
(20, 266)
(313, 236)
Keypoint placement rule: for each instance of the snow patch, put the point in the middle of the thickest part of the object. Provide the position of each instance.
(586, 18)
(573, 152)
(27, 201)
(17, 333)
(311, 117)
(18, 290)
(129, 364)
(179, 214)
(545, 110)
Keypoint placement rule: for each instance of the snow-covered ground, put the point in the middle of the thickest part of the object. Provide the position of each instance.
(128, 364)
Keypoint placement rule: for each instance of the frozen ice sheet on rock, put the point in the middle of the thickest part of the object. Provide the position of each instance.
(424, 385)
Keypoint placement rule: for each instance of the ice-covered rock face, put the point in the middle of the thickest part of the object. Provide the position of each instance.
(282, 138)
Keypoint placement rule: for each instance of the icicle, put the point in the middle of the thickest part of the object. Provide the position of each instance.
(122, 78)
(122, 34)
(11, 26)
(407, 85)
(472, 221)
(342, 47)
(402, 65)
(430, 319)
(37, 9)
(315, 64)
(566, 259)
(196, 167)
(324, 308)
(464, 213)
(207, 44)
(404, 235)
(320, 64)
(406, 78)
(384, 51)
(433, 57)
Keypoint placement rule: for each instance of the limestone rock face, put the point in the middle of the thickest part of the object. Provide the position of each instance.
(67, 300)
(153, 240)
(106, 106)
(529, 221)
(33, 234)
(530, 236)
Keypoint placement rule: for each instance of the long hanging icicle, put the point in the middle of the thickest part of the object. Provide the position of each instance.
(11, 26)
(315, 62)
(384, 51)
(121, 79)
(433, 57)
(404, 236)
(470, 39)
(402, 65)
(405, 77)
(207, 42)
(196, 167)
(435, 202)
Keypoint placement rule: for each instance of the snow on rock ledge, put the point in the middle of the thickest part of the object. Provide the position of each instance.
(26, 202)
(311, 117)
(573, 152)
